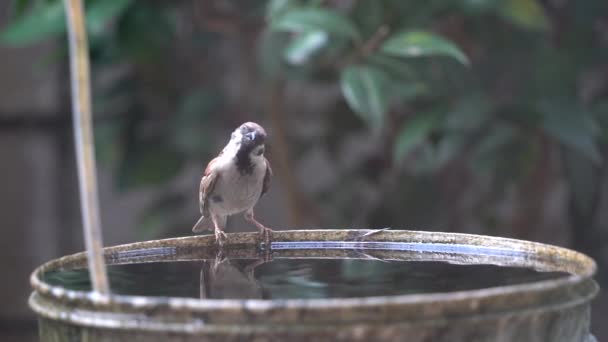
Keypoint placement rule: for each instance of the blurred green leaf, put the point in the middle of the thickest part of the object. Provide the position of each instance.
(99, 12)
(276, 8)
(404, 85)
(269, 53)
(366, 91)
(528, 14)
(572, 126)
(422, 43)
(476, 7)
(315, 19)
(20, 7)
(368, 16)
(468, 113)
(496, 138)
(491, 148)
(190, 127)
(134, 33)
(403, 92)
(304, 46)
(151, 165)
(107, 141)
(45, 20)
(413, 132)
(396, 68)
(433, 156)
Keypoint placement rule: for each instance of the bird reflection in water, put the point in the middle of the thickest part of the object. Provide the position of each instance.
(222, 278)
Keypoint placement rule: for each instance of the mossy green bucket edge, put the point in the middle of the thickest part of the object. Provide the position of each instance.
(555, 310)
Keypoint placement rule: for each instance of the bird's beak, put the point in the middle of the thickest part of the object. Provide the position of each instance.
(251, 136)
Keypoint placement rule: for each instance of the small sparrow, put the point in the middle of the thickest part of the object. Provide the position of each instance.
(234, 181)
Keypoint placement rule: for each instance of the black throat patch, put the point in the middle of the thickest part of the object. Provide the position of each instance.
(243, 160)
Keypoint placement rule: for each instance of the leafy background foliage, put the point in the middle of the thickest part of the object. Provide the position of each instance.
(480, 116)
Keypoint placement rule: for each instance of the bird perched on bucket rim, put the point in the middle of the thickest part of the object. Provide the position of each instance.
(234, 181)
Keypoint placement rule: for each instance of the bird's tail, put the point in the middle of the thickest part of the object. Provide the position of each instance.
(204, 223)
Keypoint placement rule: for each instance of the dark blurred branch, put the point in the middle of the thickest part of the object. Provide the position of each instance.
(281, 160)
(586, 204)
(44, 120)
(33, 121)
(533, 191)
(84, 142)
(220, 20)
(374, 42)
(381, 170)
(367, 48)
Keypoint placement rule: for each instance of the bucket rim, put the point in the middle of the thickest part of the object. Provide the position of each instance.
(574, 289)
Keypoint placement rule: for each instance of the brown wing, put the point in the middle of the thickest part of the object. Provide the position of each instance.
(206, 188)
(267, 177)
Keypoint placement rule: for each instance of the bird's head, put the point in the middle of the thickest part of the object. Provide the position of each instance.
(249, 138)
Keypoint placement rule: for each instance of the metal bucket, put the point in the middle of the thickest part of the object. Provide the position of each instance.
(548, 310)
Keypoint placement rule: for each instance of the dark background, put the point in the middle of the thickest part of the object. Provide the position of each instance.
(480, 116)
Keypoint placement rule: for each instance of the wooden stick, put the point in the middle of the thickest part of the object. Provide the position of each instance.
(85, 149)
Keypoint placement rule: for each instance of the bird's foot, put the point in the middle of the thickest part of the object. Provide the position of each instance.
(220, 237)
(265, 232)
(219, 259)
(266, 236)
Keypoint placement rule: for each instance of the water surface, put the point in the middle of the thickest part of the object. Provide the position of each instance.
(298, 278)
